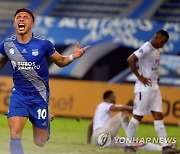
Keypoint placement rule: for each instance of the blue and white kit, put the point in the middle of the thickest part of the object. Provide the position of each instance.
(30, 93)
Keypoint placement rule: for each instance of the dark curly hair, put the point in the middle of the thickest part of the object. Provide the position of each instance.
(25, 10)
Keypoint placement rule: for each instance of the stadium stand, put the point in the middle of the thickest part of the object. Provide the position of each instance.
(169, 10)
(94, 8)
(7, 10)
(142, 9)
(85, 21)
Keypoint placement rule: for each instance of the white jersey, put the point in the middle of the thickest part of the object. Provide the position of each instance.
(148, 61)
(102, 115)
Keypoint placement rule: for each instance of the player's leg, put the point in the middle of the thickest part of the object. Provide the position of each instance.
(156, 109)
(17, 117)
(137, 114)
(111, 127)
(131, 131)
(133, 125)
(115, 123)
(161, 132)
(159, 126)
(39, 117)
(40, 136)
(125, 121)
(140, 108)
(16, 125)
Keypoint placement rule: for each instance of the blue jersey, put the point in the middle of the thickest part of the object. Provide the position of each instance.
(29, 64)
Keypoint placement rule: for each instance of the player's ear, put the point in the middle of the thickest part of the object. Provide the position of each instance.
(32, 24)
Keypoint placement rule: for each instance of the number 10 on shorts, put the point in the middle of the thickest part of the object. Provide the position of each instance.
(42, 113)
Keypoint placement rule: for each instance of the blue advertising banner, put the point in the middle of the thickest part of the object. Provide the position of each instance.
(126, 32)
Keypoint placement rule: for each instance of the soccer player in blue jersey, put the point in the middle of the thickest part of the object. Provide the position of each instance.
(28, 54)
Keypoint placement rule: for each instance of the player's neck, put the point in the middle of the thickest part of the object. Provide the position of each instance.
(153, 43)
(25, 38)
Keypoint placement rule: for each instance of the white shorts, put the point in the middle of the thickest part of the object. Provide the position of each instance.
(147, 101)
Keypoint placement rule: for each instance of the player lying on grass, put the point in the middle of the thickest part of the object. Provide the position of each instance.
(104, 123)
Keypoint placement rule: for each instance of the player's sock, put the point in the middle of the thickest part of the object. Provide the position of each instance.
(132, 127)
(151, 147)
(16, 146)
(161, 131)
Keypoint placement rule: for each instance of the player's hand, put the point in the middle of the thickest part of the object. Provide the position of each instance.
(51, 116)
(145, 81)
(158, 80)
(78, 52)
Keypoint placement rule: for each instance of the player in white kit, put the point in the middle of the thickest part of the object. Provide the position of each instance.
(147, 94)
(105, 127)
(103, 122)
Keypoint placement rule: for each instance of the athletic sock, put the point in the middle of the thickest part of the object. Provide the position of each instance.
(132, 127)
(151, 147)
(16, 146)
(161, 131)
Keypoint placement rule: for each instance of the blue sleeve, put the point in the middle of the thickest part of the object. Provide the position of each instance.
(49, 47)
(2, 52)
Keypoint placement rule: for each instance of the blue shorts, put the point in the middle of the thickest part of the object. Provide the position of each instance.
(29, 105)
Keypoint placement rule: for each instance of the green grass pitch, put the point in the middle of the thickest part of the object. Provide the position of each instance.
(68, 136)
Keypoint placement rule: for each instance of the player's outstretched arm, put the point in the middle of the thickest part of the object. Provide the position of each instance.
(3, 61)
(121, 108)
(62, 61)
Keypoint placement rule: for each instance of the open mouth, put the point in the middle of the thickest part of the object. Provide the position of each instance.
(21, 26)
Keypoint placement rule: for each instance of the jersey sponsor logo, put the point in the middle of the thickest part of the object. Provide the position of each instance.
(24, 65)
(12, 51)
(35, 52)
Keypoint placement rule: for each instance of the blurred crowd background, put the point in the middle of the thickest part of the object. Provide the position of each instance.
(114, 29)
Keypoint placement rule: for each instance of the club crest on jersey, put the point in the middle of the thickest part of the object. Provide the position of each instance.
(11, 51)
(35, 52)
